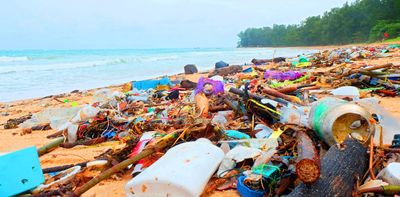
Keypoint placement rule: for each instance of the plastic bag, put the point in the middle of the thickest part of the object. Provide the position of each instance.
(54, 116)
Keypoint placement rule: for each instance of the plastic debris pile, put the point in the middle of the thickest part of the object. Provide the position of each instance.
(278, 127)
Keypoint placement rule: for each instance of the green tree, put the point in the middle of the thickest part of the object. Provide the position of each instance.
(361, 21)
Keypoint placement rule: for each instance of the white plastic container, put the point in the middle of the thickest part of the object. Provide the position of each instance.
(183, 171)
(391, 174)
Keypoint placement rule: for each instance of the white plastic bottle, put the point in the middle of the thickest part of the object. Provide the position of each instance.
(183, 171)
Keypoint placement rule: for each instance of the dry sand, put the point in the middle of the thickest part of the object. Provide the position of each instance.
(11, 140)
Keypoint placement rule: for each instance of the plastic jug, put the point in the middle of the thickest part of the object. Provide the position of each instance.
(391, 173)
(183, 171)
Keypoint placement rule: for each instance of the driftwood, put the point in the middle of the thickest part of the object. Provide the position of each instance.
(392, 150)
(283, 184)
(341, 167)
(218, 108)
(264, 61)
(41, 127)
(14, 122)
(50, 146)
(64, 167)
(56, 134)
(361, 70)
(387, 190)
(308, 165)
(86, 143)
(293, 88)
(226, 70)
(287, 89)
(256, 96)
(278, 94)
(376, 67)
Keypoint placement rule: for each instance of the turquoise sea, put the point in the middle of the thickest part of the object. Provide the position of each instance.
(37, 73)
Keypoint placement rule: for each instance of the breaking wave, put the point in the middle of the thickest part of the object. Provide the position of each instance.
(13, 59)
(155, 58)
(58, 66)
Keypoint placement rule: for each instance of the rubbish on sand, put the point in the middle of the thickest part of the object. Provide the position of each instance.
(290, 126)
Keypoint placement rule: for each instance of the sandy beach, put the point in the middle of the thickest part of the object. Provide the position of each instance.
(15, 139)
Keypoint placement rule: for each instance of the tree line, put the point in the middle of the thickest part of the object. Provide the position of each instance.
(360, 21)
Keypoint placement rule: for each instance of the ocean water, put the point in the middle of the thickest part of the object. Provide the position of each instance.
(37, 73)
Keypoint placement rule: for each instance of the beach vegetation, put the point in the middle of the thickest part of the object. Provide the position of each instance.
(357, 22)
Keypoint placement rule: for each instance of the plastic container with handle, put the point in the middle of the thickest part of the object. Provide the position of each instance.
(183, 171)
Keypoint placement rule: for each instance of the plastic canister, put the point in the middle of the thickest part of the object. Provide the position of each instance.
(334, 119)
(391, 174)
(183, 171)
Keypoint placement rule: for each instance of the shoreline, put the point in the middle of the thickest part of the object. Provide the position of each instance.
(91, 69)
(113, 86)
(318, 48)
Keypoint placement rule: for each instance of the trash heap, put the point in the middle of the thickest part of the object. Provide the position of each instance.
(303, 126)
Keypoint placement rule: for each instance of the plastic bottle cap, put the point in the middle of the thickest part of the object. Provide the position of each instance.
(247, 192)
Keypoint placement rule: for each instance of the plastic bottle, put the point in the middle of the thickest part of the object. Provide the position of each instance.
(334, 119)
(264, 131)
(292, 114)
(183, 171)
(219, 120)
(222, 117)
(390, 125)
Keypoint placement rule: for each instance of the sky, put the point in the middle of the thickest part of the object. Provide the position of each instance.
(104, 24)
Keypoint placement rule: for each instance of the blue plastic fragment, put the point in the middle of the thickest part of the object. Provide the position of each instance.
(248, 70)
(374, 81)
(236, 134)
(265, 170)
(20, 172)
(147, 84)
(109, 134)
